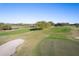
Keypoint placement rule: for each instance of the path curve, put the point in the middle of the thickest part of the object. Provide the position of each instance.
(9, 48)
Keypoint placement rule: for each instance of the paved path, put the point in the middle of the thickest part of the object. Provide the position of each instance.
(9, 48)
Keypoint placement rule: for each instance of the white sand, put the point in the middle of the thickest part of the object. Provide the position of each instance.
(76, 37)
(9, 48)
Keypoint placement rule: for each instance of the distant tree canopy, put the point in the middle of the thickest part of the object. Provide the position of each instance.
(76, 24)
(5, 26)
(67, 24)
(51, 23)
(43, 24)
(62, 24)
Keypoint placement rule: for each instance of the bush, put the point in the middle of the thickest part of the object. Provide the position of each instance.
(43, 24)
(5, 27)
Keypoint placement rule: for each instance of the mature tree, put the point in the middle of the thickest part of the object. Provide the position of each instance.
(51, 23)
(43, 24)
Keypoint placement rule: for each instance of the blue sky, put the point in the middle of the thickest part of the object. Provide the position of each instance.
(31, 13)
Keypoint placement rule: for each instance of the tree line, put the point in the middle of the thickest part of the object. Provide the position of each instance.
(38, 25)
(5, 26)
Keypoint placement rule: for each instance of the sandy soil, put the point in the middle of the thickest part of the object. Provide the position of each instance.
(9, 48)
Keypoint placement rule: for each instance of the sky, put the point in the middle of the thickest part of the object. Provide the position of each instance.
(34, 12)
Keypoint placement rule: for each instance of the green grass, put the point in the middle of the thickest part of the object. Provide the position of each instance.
(58, 43)
(31, 41)
(56, 47)
(63, 29)
(18, 31)
(49, 42)
(57, 36)
(10, 35)
(59, 33)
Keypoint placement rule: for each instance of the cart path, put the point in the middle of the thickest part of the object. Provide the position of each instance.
(9, 48)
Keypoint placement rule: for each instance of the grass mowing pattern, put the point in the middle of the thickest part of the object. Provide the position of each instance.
(56, 47)
(58, 44)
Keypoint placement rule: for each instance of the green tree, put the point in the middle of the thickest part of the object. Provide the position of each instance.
(43, 24)
(5, 26)
(49, 24)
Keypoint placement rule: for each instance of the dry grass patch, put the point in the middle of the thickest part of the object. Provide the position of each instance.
(31, 41)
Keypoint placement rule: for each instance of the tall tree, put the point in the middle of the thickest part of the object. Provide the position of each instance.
(43, 24)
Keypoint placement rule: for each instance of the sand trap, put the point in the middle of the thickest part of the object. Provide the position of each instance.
(76, 37)
(9, 48)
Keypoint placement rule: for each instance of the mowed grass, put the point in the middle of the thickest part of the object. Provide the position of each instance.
(17, 31)
(59, 33)
(58, 43)
(50, 42)
(57, 47)
(31, 41)
(6, 36)
(62, 29)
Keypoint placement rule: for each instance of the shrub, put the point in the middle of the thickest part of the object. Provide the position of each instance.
(43, 24)
(5, 26)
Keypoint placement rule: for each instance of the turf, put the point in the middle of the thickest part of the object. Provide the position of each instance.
(18, 31)
(63, 29)
(57, 47)
(49, 42)
(58, 43)
(10, 35)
